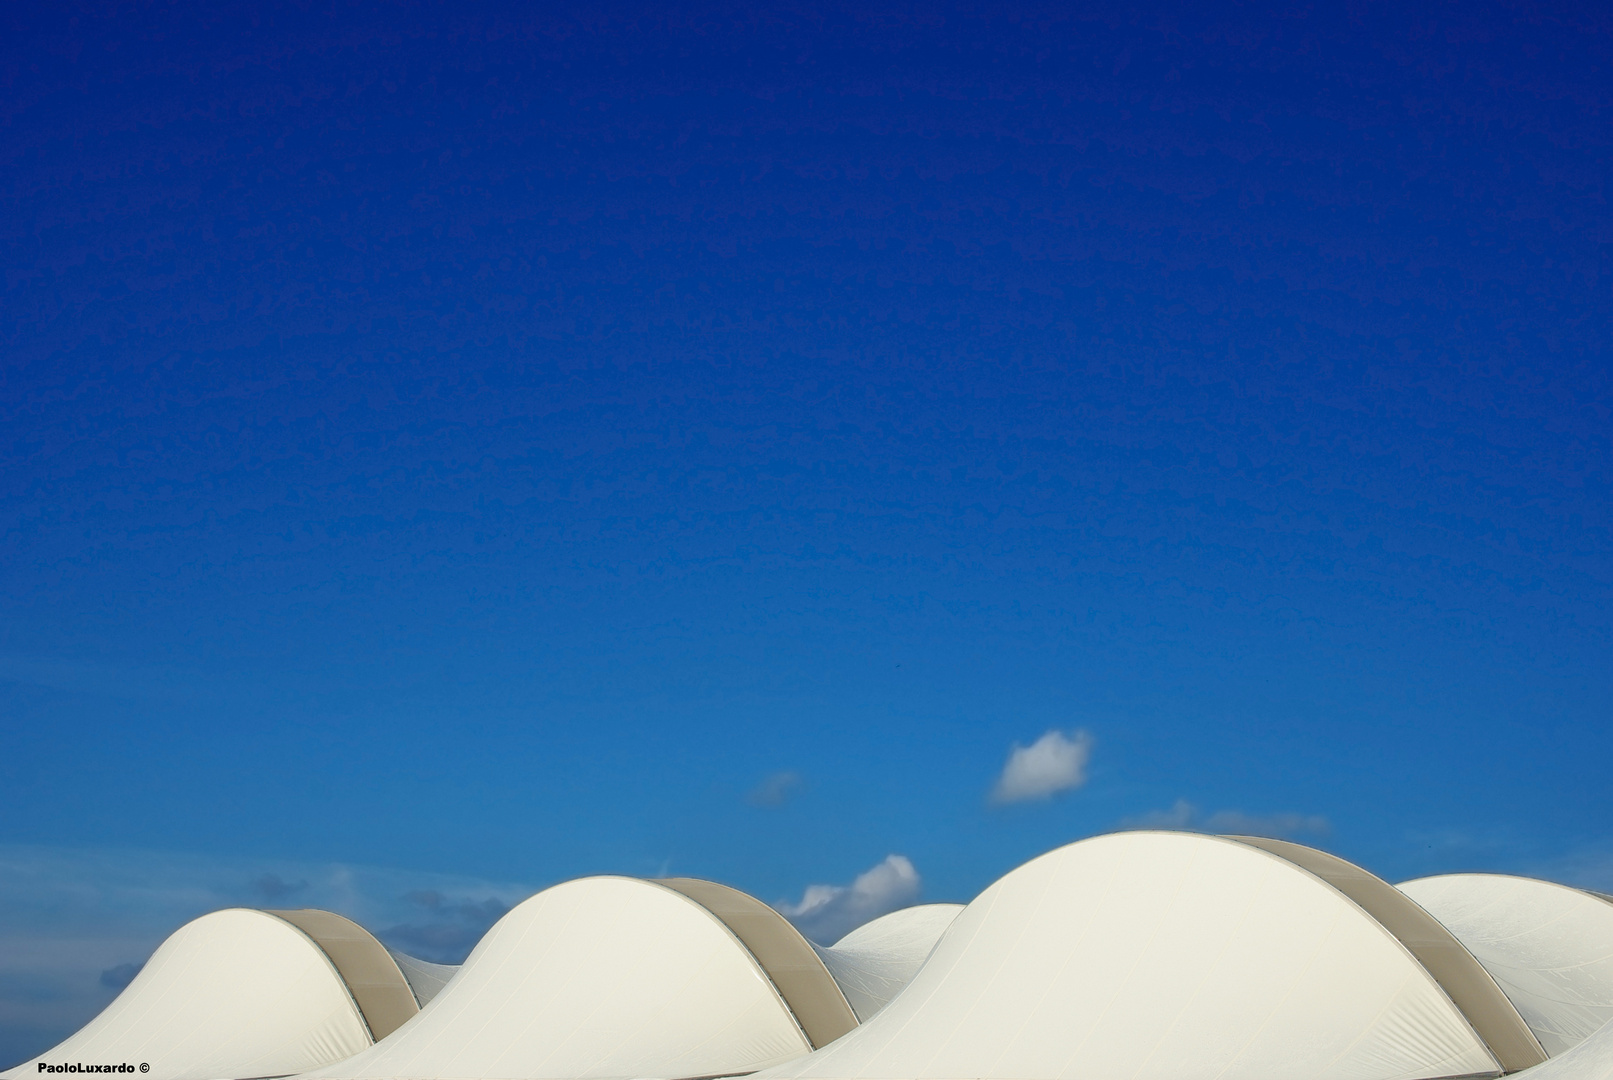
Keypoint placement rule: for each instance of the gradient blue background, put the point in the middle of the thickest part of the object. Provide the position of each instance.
(492, 440)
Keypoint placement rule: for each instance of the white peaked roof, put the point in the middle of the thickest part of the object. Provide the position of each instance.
(616, 977)
(873, 962)
(242, 993)
(1164, 956)
(1550, 947)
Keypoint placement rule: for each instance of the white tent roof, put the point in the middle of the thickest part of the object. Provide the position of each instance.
(237, 993)
(425, 979)
(1462, 978)
(873, 962)
(1591, 1059)
(1550, 947)
(605, 977)
(1169, 956)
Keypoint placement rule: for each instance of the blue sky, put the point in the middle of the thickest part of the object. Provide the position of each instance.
(489, 446)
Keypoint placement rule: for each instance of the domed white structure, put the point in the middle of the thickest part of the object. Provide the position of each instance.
(425, 978)
(244, 993)
(874, 962)
(612, 977)
(1133, 956)
(1169, 956)
(1550, 947)
(1591, 1059)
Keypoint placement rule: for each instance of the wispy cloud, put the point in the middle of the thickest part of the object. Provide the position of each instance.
(77, 924)
(776, 790)
(274, 888)
(1184, 816)
(125, 681)
(116, 978)
(1280, 825)
(826, 913)
(1179, 816)
(448, 928)
(1506, 849)
(1056, 762)
(1583, 868)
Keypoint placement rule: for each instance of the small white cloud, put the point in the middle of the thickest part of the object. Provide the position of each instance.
(1056, 762)
(827, 913)
(1183, 816)
(775, 790)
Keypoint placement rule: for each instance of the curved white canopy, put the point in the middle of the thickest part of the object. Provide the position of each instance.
(786, 957)
(237, 993)
(1463, 979)
(425, 979)
(602, 977)
(1161, 956)
(1550, 947)
(1591, 1059)
(873, 962)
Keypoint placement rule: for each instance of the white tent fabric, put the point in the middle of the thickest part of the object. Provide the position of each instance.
(786, 957)
(602, 977)
(1462, 978)
(1549, 947)
(237, 993)
(425, 979)
(1592, 1059)
(873, 962)
(1161, 956)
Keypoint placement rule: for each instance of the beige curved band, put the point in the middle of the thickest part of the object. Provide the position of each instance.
(378, 987)
(1470, 988)
(804, 984)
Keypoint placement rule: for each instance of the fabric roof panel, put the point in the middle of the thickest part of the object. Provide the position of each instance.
(1458, 973)
(1161, 956)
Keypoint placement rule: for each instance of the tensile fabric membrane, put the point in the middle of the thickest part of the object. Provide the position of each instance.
(1163, 956)
(609, 978)
(1550, 947)
(875, 961)
(1133, 956)
(244, 993)
(1591, 1059)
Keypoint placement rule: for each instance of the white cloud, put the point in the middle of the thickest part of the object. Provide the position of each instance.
(775, 790)
(1185, 817)
(828, 913)
(1056, 762)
